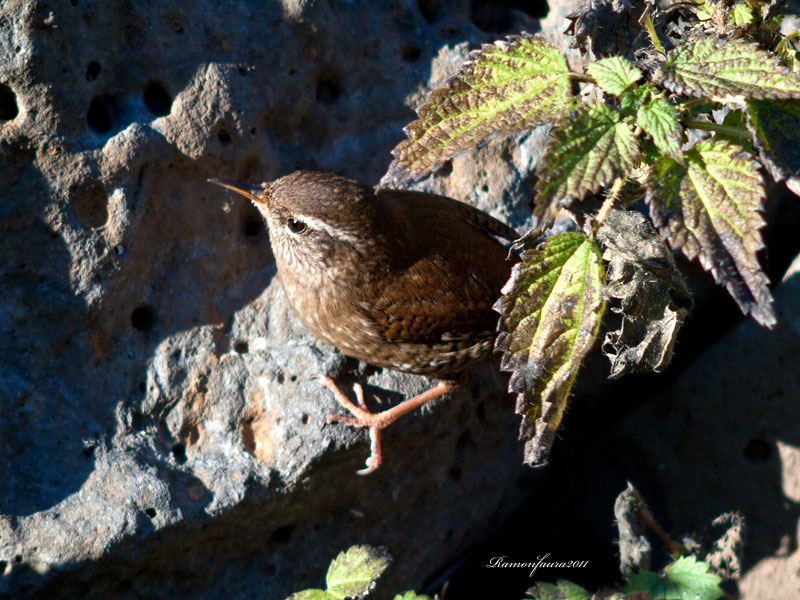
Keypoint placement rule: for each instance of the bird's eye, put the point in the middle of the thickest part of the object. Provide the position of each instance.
(296, 226)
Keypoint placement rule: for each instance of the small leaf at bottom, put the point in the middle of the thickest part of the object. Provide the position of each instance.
(354, 572)
(686, 579)
(562, 590)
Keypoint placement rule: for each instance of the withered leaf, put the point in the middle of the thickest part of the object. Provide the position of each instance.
(652, 297)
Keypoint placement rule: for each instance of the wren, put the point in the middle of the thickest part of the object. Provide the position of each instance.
(399, 279)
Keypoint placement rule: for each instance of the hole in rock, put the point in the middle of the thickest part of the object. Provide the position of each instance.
(495, 15)
(430, 10)
(282, 535)
(240, 347)
(224, 137)
(446, 169)
(91, 207)
(757, 450)
(143, 318)
(102, 114)
(150, 512)
(410, 53)
(328, 87)
(157, 99)
(8, 103)
(179, 452)
(92, 70)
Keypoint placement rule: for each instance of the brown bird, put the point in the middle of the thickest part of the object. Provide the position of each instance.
(399, 279)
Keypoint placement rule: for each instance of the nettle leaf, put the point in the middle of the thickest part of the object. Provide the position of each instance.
(614, 75)
(710, 208)
(588, 149)
(312, 595)
(741, 14)
(652, 299)
(775, 125)
(659, 120)
(789, 51)
(505, 87)
(561, 590)
(726, 70)
(550, 314)
(354, 572)
(686, 579)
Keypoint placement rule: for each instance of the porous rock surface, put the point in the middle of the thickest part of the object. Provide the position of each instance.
(160, 433)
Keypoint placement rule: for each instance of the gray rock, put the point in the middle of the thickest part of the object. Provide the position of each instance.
(725, 438)
(161, 434)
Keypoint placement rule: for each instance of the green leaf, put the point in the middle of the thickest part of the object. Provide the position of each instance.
(659, 120)
(561, 590)
(726, 70)
(589, 149)
(353, 573)
(411, 595)
(614, 75)
(686, 579)
(741, 14)
(550, 314)
(312, 595)
(703, 10)
(710, 208)
(775, 126)
(505, 87)
(789, 51)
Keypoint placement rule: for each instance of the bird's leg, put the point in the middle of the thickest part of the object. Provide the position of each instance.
(377, 421)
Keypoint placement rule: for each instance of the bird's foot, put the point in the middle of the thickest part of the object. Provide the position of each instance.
(375, 422)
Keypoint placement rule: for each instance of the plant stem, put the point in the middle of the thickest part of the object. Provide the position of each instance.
(676, 549)
(651, 31)
(581, 77)
(611, 197)
(706, 126)
(692, 103)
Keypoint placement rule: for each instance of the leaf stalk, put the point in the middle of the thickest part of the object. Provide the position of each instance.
(608, 203)
(706, 126)
(651, 31)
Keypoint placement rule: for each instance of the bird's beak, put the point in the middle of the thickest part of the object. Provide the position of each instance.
(254, 192)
